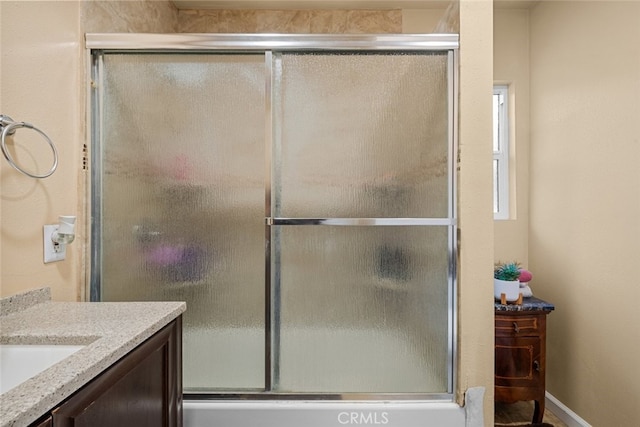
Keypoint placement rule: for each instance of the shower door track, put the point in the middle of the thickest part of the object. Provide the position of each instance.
(99, 43)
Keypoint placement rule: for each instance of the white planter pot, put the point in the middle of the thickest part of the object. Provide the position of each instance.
(511, 289)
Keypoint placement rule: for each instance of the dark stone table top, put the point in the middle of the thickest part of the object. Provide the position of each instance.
(528, 304)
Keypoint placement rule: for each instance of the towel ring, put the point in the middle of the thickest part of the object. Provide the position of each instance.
(9, 127)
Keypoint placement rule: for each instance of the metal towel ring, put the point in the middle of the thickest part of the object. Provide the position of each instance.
(9, 127)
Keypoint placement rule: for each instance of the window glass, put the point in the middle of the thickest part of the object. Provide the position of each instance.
(500, 153)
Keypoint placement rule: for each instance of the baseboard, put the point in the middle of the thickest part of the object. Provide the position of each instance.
(565, 414)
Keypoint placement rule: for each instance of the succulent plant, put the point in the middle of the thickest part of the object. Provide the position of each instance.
(506, 271)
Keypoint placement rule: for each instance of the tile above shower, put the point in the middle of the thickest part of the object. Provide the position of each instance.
(102, 334)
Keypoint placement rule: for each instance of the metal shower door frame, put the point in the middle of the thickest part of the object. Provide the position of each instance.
(101, 43)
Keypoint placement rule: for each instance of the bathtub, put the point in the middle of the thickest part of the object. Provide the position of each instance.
(242, 413)
(233, 357)
(211, 347)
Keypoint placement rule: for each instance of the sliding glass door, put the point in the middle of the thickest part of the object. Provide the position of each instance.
(179, 202)
(360, 207)
(298, 194)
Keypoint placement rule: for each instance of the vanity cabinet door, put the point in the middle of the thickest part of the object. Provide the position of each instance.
(45, 422)
(143, 389)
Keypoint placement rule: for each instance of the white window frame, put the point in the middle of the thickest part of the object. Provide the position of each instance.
(501, 152)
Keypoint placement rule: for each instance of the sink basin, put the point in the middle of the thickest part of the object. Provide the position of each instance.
(18, 363)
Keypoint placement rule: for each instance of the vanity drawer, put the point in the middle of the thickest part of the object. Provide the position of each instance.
(520, 325)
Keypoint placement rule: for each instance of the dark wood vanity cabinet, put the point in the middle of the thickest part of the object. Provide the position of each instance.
(520, 350)
(143, 389)
(44, 422)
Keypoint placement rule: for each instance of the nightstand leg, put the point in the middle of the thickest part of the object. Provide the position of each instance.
(538, 411)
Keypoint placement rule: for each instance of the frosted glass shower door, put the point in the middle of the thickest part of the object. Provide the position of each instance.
(180, 202)
(297, 193)
(362, 207)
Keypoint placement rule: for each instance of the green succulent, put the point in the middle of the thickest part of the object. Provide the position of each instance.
(506, 271)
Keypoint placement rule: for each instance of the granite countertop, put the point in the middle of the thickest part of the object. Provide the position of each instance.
(109, 330)
(528, 304)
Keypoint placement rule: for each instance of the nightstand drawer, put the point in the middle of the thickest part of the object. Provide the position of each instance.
(518, 325)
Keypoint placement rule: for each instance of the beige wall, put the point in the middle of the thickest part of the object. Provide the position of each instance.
(41, 84)
(511, 67)
(43, 81)
(475, 343)
(584, 243)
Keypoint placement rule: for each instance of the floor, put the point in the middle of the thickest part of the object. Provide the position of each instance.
(520, 413)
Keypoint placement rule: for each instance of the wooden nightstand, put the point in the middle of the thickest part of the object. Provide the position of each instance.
(520, 345)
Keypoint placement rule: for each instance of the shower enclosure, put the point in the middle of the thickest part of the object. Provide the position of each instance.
(298, 192)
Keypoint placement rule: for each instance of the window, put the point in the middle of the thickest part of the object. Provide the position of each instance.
(500, 152)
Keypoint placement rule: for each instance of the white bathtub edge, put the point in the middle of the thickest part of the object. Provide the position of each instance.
(230, 413)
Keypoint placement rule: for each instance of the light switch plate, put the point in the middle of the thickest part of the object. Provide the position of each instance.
(50, 254)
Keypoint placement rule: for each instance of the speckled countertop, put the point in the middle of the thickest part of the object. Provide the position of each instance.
(108, 329)
(528, 304)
